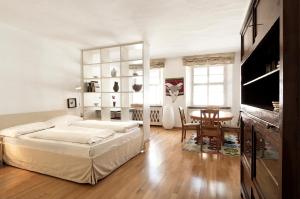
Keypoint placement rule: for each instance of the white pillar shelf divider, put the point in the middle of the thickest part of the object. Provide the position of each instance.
(125, 66)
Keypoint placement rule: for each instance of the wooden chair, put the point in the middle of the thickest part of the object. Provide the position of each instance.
(187, 126)
(232, 129)
(210, 126)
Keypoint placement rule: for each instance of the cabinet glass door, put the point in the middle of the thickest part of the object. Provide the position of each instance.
(247, 141)
(267, 165)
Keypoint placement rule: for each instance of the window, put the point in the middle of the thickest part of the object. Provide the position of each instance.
(208, 85)
(155, 86)
(155, 89)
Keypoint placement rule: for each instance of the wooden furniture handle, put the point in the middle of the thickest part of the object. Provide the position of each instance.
(270, 126)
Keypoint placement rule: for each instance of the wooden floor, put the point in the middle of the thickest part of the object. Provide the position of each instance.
(163, 171)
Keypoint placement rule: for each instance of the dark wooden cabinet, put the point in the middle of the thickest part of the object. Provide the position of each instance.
(270, 138)
(261, 16)
(267, 165)
(247, 38)
(247, 142)
(260, 167)
(246, 181)
(266, 14)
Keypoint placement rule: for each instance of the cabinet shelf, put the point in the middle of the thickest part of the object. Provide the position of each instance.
(92, 78)
(116, 107)
(122, 61)
(119, 92)
(262, 77)
(97, 65)
(93, 107)
(128, 76)
(93, 92)
(112, 62)
(88, 64)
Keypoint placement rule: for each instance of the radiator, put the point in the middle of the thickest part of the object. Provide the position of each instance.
(155, 115)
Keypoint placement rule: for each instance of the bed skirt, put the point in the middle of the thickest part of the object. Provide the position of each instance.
(76, 169)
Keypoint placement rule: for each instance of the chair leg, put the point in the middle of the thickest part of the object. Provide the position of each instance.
(198, 136)
(220, 145)
(182, 134)
(201, 138)
(222, 136)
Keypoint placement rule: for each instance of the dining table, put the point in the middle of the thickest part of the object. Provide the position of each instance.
(223, 115)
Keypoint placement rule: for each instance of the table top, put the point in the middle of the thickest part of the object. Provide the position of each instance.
(223, 115)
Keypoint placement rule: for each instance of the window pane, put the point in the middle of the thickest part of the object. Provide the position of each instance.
(200, 79)
(216, 78)
(200, 71)
(200, 75)
(137, 98)
(216, 70)
(216, 95)
(200, 95)
(154, 76)
(138, 80)
(155, 94)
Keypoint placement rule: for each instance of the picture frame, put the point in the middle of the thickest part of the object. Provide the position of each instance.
(174, 87)
(71, 102)
(176, 83)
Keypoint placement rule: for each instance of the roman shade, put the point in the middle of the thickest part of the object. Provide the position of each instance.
(210, 59)
(157, 63)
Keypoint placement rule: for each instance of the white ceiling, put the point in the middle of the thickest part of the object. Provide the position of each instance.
(171, 27)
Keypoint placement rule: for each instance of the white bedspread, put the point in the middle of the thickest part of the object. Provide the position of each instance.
(120, 127)
(74, 134)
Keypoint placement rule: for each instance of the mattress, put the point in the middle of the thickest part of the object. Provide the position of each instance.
(79, 163)
(73, 149)
(118, 126)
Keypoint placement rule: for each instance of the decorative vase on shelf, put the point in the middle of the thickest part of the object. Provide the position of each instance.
(116, 87)
(114, 100)
(168, 119)
(87, 87)
(113, 72)
(93, 89)
(137, 87)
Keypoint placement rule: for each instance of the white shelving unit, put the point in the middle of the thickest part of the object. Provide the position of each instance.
(130, 63)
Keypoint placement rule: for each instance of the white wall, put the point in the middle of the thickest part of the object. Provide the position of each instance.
(36, 74)
(174, 68)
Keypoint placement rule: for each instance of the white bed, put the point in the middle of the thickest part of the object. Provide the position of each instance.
(82, 163)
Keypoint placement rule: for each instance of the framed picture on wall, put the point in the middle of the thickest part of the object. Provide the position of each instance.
(71, 102)
(174, 87)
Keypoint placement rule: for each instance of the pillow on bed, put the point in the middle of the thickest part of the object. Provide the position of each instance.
(65, 120)
(25, 129)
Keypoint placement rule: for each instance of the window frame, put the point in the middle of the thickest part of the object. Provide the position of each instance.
(224, 83)
(160, 84)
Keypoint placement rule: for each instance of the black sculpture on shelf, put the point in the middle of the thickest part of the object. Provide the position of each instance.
(116, 87)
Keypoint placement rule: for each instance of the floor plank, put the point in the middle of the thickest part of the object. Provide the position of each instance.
(163, 171)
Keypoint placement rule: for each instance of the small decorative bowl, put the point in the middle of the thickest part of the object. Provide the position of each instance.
(137, 87)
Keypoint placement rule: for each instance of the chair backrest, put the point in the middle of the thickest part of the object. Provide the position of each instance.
(182, 115)
(209, 118)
